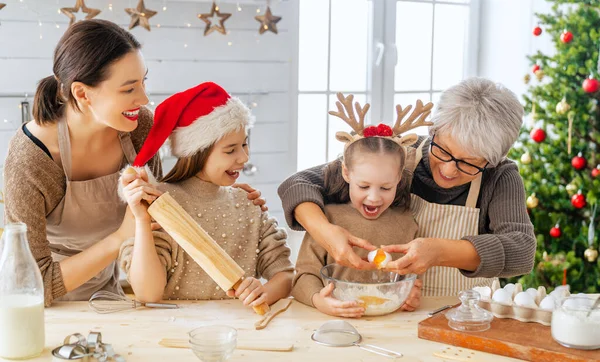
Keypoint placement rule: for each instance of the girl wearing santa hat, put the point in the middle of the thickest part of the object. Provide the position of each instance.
(207, 130)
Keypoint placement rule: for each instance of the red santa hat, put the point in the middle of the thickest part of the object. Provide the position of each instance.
(194, 120)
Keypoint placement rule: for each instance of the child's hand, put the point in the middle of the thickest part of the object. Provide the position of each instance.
(254, 195)
(327, 304)
(251, 292)
(137, 190)
(414, 297)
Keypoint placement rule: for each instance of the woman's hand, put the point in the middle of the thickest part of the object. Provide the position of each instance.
(137, 189)
(253, 195)
(414, 297)
(339, 242)
(251, 292)
(326, 303)
(419, 255)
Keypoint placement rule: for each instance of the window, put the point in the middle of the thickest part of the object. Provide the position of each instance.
(385, 52)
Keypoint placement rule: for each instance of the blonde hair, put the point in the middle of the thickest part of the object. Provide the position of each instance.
(188, 167)
(338, 190)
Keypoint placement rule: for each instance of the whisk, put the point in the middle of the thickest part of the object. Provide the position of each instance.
(107, 302)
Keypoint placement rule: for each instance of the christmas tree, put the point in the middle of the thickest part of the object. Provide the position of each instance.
(557, 151)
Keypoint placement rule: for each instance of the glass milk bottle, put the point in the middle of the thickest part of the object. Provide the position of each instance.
(21, 297)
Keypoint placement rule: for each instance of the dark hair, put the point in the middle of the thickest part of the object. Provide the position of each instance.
(338, 190)
(83, 54)
(187, 167)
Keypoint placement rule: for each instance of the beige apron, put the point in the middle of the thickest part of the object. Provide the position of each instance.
(89, 212)
(447, 222)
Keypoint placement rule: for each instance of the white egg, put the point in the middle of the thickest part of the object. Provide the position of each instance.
(523, 299)
(510, 288)
(484, 292)
(572, 303)
(502, 296)
(560, 292)
(532, 292)
(379, 257)
(548, 303)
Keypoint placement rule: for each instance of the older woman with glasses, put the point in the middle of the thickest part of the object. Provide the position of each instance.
(467, 198)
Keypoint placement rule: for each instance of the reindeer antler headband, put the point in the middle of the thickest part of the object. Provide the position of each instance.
(346, 113)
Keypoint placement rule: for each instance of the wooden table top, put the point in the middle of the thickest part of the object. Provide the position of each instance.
(135, 333)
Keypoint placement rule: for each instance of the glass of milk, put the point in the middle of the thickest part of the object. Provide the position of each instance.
(571, 325)
(21, 297)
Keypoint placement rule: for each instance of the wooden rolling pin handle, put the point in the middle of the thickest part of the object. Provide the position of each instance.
(260, 309)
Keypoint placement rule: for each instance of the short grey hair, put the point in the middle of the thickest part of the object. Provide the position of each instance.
(482, 116)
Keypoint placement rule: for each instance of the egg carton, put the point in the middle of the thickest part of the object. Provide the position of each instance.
(514, 311)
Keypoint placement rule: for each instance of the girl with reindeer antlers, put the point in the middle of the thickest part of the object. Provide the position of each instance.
(369, 187)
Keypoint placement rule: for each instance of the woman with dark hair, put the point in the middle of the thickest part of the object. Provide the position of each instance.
(62, 169)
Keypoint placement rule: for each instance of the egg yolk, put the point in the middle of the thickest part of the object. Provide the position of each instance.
(365, 300)
(379, 258)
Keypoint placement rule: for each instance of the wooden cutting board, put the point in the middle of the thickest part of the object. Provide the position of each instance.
(506, 337)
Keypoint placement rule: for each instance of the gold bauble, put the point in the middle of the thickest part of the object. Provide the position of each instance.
(526, 158)
(591, 254)
(532, 201)
(571, 189)
(563, 107)
(526, 79)
(539, 74)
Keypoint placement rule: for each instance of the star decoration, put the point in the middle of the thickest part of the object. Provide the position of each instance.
(211, 18)
(79, 5)
(140, 16)
(268, 22)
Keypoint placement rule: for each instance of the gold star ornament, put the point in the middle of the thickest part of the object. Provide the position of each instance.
(212, 18)
(268, 22)
(140, 16)
(79, 5)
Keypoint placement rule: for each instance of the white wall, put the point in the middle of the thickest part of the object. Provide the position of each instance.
(506, 39)
(256, 68)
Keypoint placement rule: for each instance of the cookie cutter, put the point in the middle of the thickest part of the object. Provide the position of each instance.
(83, 348)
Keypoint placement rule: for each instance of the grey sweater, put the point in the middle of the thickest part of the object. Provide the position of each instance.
(506, 242)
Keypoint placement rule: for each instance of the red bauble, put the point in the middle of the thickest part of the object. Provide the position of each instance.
(555, 232)
(566, 36)
(596, 172)
(537, 31)
(579, 162)
(535, 68)
(590, 85)
(578, 200)
(538, 135)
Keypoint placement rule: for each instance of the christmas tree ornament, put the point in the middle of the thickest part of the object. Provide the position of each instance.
(591, 254)
(566, 36)
(538, 135)
(211, 19)
(532, 201)
(535, 68)
(596, 171)
(79, 5)
(579, 162)
(537, 31)
(545, 256)
(563, 107)
(140, 15)
(570, 134)
(578, 200)
(526, 158)
(526, 79)
(591, 85)
(555, 232)
(268, 22)
(539, 74)
(571, 189)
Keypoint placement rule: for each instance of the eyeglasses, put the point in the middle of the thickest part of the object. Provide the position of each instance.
(445, 156)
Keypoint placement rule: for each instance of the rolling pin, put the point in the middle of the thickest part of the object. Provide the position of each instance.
(198, 244)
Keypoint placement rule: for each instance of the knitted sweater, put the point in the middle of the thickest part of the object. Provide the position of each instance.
(506, 242)
(34, 185)
(381, 231)
(247, 234)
